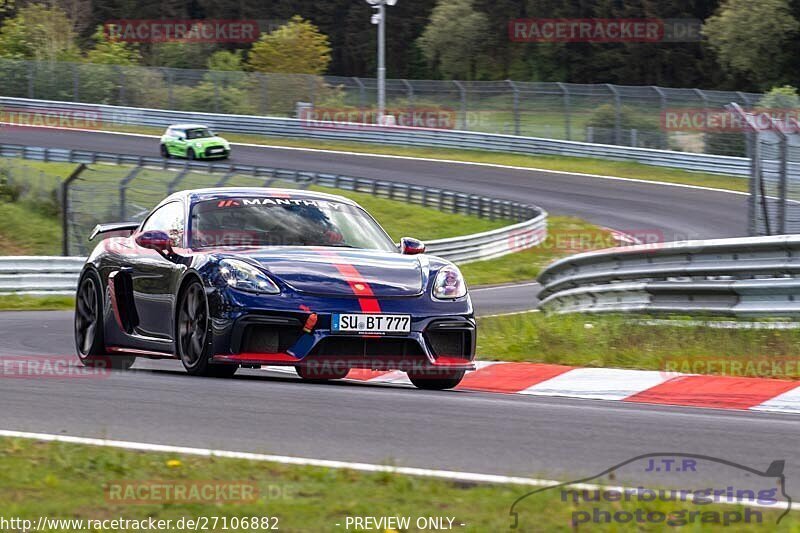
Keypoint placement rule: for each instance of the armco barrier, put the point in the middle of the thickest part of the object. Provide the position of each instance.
(738, 277)
(286, 127)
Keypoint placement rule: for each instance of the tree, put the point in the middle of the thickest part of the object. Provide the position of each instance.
(225, 60)
(111, 52)
(454, 38)
(785, 97)
(296, 47)
(750, 38)
(39, 32)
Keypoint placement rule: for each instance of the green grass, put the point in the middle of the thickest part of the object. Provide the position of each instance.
(565, 236)
(620, 342)
(565, 164)
(25, 231)
(70, 481)
(22, 302)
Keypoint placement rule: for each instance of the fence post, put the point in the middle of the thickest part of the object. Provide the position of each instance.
(121, 85)
(216, 91)
(31, 78)
(663, 136)
(783, 158)
(65, 207)
(410, 96)
(516, 105)
(76, 82)
(702, 95)
(264, 94)
(169, 89)
(463, 96)
(567, 107)
(362, 98)
(123, 190)
(617, 114)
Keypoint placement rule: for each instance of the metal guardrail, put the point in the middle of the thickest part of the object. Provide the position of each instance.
(39, 274)
(737, 277)
(405, 136)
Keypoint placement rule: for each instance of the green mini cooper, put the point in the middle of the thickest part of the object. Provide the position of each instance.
(193, 141)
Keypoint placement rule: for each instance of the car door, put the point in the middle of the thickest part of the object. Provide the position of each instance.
(154, 277)
(179, 142)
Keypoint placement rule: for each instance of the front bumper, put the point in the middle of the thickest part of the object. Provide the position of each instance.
(212, 152)
(439, 342)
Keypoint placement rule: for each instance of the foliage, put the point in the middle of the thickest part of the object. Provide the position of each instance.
(297, 47)
(38, 32)
(750, 38)
(454, 38)
(110, 52)
(225, 60)
(784, 97)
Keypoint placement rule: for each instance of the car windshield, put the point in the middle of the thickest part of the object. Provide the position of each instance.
(198, 133)
(281, 221)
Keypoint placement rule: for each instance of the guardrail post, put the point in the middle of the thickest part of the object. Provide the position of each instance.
(463, 93)
(617, 114)
(516, 106)
(567, 108)
(65, 208)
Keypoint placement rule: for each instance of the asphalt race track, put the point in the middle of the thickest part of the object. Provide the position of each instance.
(476, 432)
(465, 431)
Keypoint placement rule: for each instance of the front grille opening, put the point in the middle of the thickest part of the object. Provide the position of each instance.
(367, 347)
(269, 339)
(454, 343)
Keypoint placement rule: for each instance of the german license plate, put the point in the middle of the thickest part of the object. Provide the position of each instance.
(216, 150)
(367, 324)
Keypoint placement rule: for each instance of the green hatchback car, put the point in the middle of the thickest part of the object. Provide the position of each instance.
(193, 141)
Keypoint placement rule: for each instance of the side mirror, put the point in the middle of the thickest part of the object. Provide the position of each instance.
(411, 246)
(155, 240)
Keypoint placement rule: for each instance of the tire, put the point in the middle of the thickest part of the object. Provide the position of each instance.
(436, 381)
(193, 335)
(88, 327)
(190, 154)
(164, 152)
(314, 375)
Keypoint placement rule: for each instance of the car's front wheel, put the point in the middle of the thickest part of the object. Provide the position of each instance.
(164, 152)
(89, 341)
(193, 336)
(436, 380)
(190, 154)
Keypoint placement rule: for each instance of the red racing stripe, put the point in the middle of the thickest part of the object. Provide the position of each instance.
(510, 377)
(359, 286)
(723, 392)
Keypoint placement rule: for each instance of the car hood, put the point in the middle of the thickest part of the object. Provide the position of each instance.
(208, 141)
(344, 272)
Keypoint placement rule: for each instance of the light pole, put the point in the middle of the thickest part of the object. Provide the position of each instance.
(379, 18)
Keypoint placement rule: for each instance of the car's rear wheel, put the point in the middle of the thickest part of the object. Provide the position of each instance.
(190, 154)
(89, 341)
(321, 373)
(193, 336)
(436, 380)
(164, 152)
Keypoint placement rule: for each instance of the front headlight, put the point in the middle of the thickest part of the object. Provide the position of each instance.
(449, 284)
(246, 277)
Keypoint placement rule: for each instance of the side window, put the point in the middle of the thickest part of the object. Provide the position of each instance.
(168, 218)
(170, 132)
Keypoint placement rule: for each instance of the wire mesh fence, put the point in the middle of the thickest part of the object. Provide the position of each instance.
(601, 113)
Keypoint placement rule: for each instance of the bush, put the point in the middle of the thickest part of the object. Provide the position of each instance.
(604, 122)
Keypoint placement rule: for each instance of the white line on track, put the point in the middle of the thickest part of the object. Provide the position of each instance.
(506, 286)
(325, 463)
(428, 159)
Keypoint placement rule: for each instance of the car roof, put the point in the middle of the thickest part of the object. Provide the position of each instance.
(214, 193)
(187, 126)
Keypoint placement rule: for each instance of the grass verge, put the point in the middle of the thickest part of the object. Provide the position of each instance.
(24, 302)
(621, 169)
(69, 481)
(621, 342)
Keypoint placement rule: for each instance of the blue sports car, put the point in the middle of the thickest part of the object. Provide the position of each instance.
(244, 277)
